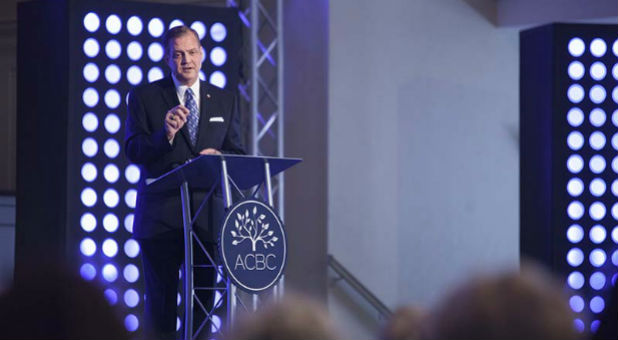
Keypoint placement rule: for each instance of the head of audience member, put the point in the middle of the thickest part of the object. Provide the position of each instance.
(526, 304)
(294, 317)
(50, 302)
(407, 322)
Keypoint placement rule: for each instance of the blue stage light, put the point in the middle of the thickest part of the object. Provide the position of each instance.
(597, 140)
(597, 117)
(89, 147)
(134, 25)
(89, 172)
(575, 257)
(88, 222)
(598, 71)
(110, 222)
(216, 324)
(91, 22)
(575, 117)
(577, 303)
(575, 233)
(113, 49)
(88, 247)
(131, 323)
(615, 235)
(594, 326)
(176, 22)
(134, 75)
(131, 173)
(155, 52)
(218, 79)
(131, 298)
(575, 140)
(88, 271)
(575, 187)
(131, 273)
(597, 304)
(615, 95)
(218, 32)
(218, 56)
(576, 70)
(155, 74)
(200, 28)
(112, 74)
(615, 182)
(110, 198)
(615, 71)
(579, 325)
(178, 323)
(575, 210)
(111, 148)
(113, 24)
(110, 273)
(598, 47)
(576, 280)
(131, 248)
(90, 122)
(91, 47)
(597, 280)
(575, 93)
(597, 257)
(597, 211)
(110, 247)
(130, 197)
(112, 123)
(597, 234)
(112, 99)
(134, 50)
(615, 257)
(202, 75)
(155, 27)
(597, 164)
(615, 211)
(615, 48)
(597, 94)
(91, 72)
(111, 296)
(90, 97)
(128, 223)
(597, 187)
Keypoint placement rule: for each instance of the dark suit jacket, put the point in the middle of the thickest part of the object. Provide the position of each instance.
(146, 145)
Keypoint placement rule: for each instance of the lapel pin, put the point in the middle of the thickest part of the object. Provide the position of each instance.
(207, 95)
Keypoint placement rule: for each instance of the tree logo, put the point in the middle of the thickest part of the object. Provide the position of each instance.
(253, 245)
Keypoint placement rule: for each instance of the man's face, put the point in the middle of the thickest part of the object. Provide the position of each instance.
(185, 58)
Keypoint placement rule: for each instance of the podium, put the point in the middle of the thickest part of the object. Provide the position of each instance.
(208, 172)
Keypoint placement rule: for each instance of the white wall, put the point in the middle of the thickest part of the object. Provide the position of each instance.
(423, 145)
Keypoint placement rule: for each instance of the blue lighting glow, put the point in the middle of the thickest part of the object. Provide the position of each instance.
(111, 148)
(112, 98)
(88, 222)
(111, 296)
(200, 28)
(598, 257)
(597, 304)
(216, 324)
(218, 79)
(597, 187)
(110, 247)
(598, 71)
(155, 27)
(615, 211)
(597, 234)
(131, 298)
(576, 70)
(597, 211)
(110, 273)
(89, 147)
(113, 49)
(91, 47)
(91, 72)
(579, 325)
(597, 164)
(202, 75)
(597, 280)
(130, 197)
(615, 234)
(134, 25)
(176, 22)
(89, 172)
(110, 197)
(575, 140)
(597, 94)
(155, 52)
(113, 24)
(577, 303)
(131, 173)
(594, 326)
(575, 187)
(90, 122)
(90, 97)
(218, 32)
(134, 75)
(87, 271)
(218, 299)
(110, 222)
(154, 74)
(597, 140)
(112, 123)
(615, 95)
(615, 48)
(598, 47)
(128, 223)
(615, 71)
(615, 182)
(615, 257)
(575, 257)
(575, 93)
(89, 197)
(91, 22)
(597, 117)
(218, 56)
(112, 74)
(131, 248)
(130, 273)
(575, 163)
(575, 117)
(576, 280)
(88, 247)
(131, 323)
(134, 50)
(575, 210)
(575, 233)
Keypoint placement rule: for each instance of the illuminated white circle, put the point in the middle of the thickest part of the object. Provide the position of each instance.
(90, 122)
(615, 211)
(112, 98)
(134, 75)
(111, 148)
(91, 22)
(597, 140)
(90, 97)
(575, 140)
(200, 28)
(110, 247)
(87, 271)
(128, 223)
(110, 273)
(597, 117)
(597, 94)
(218, 32)
(155, 74)
(598, 71)
(91, 47)
(89, 172)
(598, 47)
(131, 323)
(155, 52)
(575, 117)
(202, 75)
(111, 173)
(112, 74)
(597, 164)
(218, 56)
(597, 211)
(175, 22)
(131, 273)
(134, 25)
(134, 50)
(113, 49)
(91, 72)
(131, 298)
(597, 280)
(90, 147)
(88, 247)
(576, 70)
(88, 197)
(575, 233)
(576, 280)
(155, 27)
(597, 187)
(575, 187)
(111, 198)
(112, 123)
(130, 198)
(615, 142)
(110, 222)
(131, 173)
(615, 94)
(597, 257)
(88, 222)
(597, 234)
(218, 79)
(575, 210)
(615, 234)
(131, 248)
(615, 187)
(575, 257)
(575, 163)
(615, 71)
(575, 93)
(203, 53)
(113, 24)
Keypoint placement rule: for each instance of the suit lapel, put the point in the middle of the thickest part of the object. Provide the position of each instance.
(207, 106)
(171, 98)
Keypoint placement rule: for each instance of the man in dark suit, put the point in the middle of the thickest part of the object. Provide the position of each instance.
(169, 122)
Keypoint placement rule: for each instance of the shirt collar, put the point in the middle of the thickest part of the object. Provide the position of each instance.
(180, 89)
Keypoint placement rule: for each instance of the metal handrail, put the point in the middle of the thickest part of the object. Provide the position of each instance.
(359, 287)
